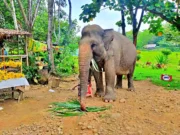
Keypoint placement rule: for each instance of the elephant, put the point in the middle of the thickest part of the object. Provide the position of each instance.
(114, 53)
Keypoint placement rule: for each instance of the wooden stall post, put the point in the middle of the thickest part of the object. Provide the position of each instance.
(26, 49)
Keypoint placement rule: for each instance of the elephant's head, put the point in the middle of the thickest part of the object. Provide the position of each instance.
(94, 43)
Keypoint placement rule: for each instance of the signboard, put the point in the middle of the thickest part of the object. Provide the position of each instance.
(166, 77)
(37, 46)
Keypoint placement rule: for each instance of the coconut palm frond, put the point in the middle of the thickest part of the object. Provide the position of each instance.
(72, 108)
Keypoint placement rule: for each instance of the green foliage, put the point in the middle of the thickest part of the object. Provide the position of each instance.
(172, 35)
(31, 71)
(178, 68)
(161, 59)
(144, 37)
(138, 57)
(155, 26)
(67, 62)
(153, 73)
(166, 52)
(160, 10)
(2, 20)
(66, 36)
(40, 27)
(72, 108)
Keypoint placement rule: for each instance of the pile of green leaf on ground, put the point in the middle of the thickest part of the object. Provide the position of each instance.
(72, 108)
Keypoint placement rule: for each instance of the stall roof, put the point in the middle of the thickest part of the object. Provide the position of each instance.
(10, 32)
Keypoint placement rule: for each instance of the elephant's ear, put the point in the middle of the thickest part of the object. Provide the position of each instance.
(108, 37)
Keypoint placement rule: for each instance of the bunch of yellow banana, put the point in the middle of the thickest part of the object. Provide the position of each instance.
(10, 64)
(4, 75)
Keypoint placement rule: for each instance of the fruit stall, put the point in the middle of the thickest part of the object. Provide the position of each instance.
(13, 54)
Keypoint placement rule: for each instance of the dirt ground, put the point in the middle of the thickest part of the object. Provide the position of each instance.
(150, 110)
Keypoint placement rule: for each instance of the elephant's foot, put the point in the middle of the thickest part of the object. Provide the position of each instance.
(118, 86)
(99, 93)
(131, 89)
(109, 97)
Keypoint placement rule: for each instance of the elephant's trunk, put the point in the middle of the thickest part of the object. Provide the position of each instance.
(85, 56)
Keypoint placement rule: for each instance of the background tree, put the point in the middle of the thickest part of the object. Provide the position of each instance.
(12, 11)
(30, 18)
(127, 8)
(70, 10)
(130, 8)
(49, 37)
(166, 10)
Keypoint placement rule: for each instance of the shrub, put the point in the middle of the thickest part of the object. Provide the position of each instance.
(161, 59)
(67, 62)
(31, 73)
(178, 68)
(138, 57)
(166, 52)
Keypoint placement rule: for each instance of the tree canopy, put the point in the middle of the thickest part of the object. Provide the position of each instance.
(150, 9)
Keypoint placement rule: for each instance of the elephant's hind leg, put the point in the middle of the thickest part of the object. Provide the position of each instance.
(130, 78)
(130, 82)
(119, 82)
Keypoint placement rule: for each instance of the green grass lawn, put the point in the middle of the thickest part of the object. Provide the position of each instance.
(143, 72)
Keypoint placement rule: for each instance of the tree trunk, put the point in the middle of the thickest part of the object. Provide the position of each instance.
(49, 38)
(36, 12)
(30, 15)
(30, 18)
(135, 26)
(14, 15)
(123, 25)
(135, 38)
(23, 13)
(70, 12)
(54, 28)
(59, 22)
(13, 12)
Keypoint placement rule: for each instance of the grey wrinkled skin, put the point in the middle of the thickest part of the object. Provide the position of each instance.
(113, 52)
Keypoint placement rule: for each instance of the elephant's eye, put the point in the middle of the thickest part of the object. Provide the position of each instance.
(93, 45)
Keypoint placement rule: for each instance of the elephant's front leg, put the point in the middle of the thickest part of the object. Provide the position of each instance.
(98, 76)
(110, 79)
